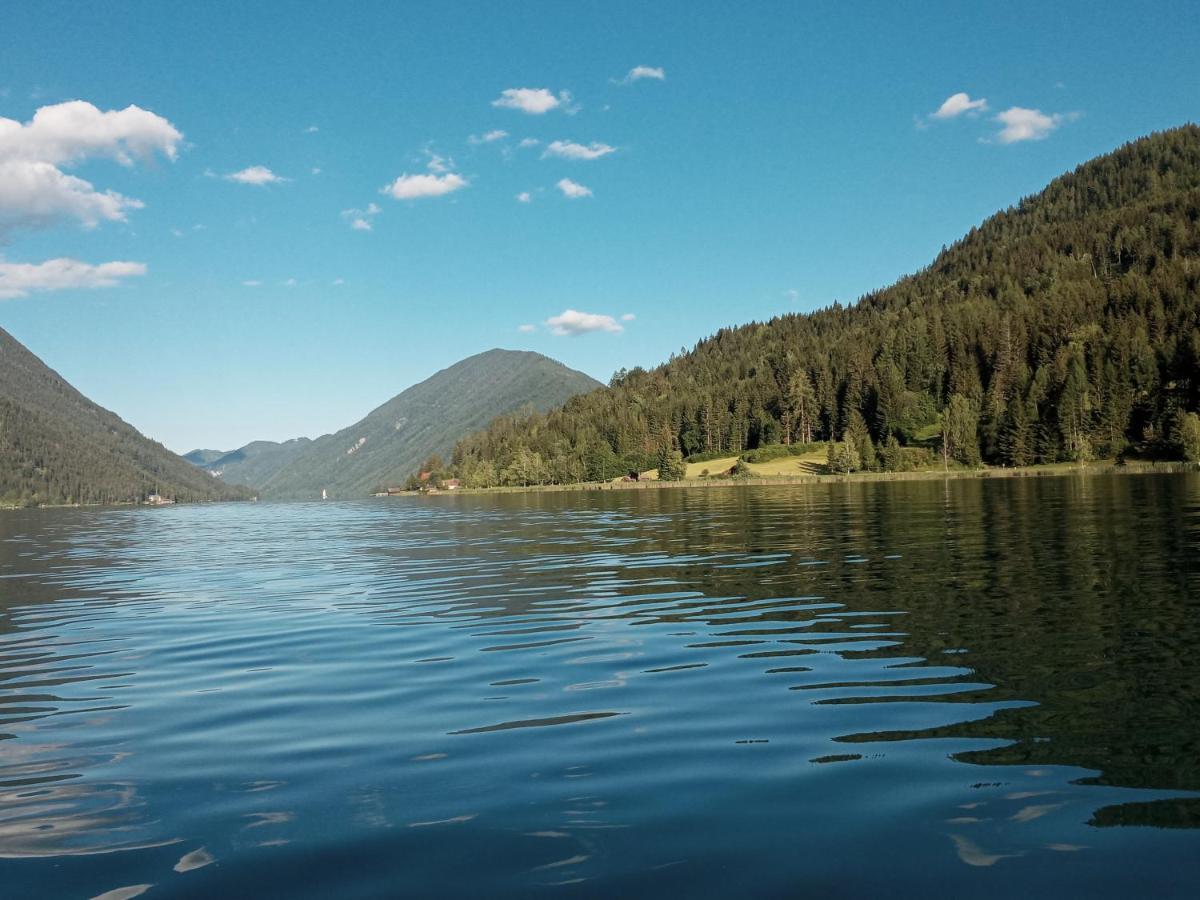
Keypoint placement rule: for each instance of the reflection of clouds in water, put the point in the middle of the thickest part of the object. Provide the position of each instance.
(124, 893)
(973, 855)
(1029, 813)
(197, 859)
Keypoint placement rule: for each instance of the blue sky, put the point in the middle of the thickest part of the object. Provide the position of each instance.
(771, 157)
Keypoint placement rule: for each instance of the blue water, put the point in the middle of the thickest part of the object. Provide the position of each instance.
(876, 689)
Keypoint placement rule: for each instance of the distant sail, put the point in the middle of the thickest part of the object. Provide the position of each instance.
(324, 494)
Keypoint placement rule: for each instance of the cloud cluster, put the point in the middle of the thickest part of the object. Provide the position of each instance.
(22, 279)
(1018, 123)
(35, 192)
(572, 322)
(570, 150)
(256, 175)
(360, 219)
(572, 190)
(533, 101)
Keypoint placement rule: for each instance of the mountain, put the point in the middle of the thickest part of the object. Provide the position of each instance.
(252, 465)
(1064, 328)
(203, 457)
(56, 446)
(386, 446)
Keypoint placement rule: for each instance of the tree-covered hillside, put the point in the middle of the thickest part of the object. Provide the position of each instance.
(1065, 328)
(252, 465)
(56, 446)
(385, 447)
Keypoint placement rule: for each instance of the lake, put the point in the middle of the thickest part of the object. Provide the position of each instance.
(964, 687)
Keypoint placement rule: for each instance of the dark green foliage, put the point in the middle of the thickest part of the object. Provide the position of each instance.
(1067, 326)
(384, 448)
(671, 466)
(56, 446)
(1187, 436)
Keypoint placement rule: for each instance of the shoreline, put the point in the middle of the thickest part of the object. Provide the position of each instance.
(1052, 470)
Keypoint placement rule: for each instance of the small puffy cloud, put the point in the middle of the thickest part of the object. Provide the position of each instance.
(35, 192)
(637, 73)
(256, 175)
(569, 150)
(628, 317)
(337, 282)
(291, 282)
(253, 282)
(1022, 124)
(311, 129)
(438, 164)
(315, 170)
(534, 101)
(524, 197)
(412, 187)
(572, 190)
(526, 329)
(22, 279)
(572, 322)
(528, 142)
(360, 219)
(957, 104)
(488, 137)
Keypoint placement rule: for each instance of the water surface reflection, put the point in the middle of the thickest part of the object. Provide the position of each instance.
(984, 686)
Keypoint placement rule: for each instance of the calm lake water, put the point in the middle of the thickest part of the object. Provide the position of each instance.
(984, 687)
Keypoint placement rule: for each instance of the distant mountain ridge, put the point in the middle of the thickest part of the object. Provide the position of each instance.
(57, 446)
(428, 418)
(251, 465)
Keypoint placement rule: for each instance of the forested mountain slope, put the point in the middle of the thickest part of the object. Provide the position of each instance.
(1065, 328)
(56, 446)
(426, 419)
(252, 465)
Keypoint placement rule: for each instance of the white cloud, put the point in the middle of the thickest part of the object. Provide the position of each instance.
(957, 104)
(360, 219)
(38, 194)
(1022, 124)
(534, 101)
(628, 317)
(569, 150)
(410, 187)
(524, 197)
(76, 130)
(254, 282)
(256, 175)
(526, 329)
(571, 322)
(637, 73)
(311, 129)
(35, 192)
(528, 142)
(316, 170)
(488, 137)
(338, 282)
(291, 282)
(573, 190)
(22, 279)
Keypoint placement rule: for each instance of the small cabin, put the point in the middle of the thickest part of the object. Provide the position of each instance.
(451, 484)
